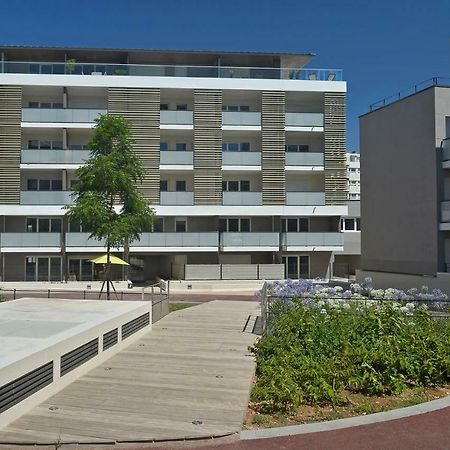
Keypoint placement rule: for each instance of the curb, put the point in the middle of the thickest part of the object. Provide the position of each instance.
(338, 424)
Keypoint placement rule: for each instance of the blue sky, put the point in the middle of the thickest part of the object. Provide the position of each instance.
(383, 46)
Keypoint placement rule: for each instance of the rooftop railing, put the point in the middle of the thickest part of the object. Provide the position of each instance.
(70, 68)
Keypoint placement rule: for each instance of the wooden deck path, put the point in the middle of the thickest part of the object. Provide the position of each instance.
(188, 377)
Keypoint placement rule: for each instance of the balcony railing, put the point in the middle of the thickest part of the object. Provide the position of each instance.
(45, 197)
(241, 158)
(301, 119)
(173, 157)
(54, 156)
(208, 239)
(445, 211)
(241, 118)
(304, 159)
(177, 198)
(177, 117)
(82, 240)
(60, 68)
(312, 240)
(242, 198)
(305, 198)
(30, 240)
(68, 115)
(250, 240)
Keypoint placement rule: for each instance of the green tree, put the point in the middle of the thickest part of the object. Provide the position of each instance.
(106, 199)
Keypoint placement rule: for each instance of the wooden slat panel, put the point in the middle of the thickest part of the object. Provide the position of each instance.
(335, 147)
(141, 106)
(10, 143)
(207, 147)
(273, 148)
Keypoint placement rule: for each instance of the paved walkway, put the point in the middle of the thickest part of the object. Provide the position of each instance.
(189, 377)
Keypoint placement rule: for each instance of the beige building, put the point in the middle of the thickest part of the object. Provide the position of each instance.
(244, 154)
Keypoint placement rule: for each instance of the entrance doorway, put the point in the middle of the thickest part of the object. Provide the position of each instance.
(296, 266)
(42, 268)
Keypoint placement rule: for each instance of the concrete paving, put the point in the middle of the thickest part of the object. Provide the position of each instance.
(189, 377)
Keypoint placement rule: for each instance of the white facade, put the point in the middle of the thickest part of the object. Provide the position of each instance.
(354, 175)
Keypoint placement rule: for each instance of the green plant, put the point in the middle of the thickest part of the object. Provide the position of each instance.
(70, 65)
(120, 72)
(311, 355)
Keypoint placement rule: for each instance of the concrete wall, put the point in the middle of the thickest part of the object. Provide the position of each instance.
(399, 205)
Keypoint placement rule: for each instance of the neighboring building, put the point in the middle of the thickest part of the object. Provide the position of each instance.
(244, 153)
(406, 195)
(347, 261)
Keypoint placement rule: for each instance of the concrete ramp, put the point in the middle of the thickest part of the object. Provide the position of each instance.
(189, 377)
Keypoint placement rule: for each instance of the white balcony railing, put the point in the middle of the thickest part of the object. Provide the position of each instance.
(30, 240)
(305, 198)
(301, 119)
(241, 158)
(207, 239)
(242, 198)
(173, 157)
(250, 239)
(177, 118)
(241, 118)
(304, 159)
(54, 156)
(82, 240)
(46, 198)
(68, 115)
(312, 240)
(177, 198)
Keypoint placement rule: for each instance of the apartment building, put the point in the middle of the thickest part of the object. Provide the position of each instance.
(354, 175)
(405, 199)
(244, 155)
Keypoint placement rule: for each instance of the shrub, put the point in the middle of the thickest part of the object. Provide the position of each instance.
(315, 350)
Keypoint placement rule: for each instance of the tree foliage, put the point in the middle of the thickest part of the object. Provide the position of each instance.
(106, 200)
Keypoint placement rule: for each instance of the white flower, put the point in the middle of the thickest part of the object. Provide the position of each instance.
(410, 305)
(346, 306)
(323, 311)
(404, 309)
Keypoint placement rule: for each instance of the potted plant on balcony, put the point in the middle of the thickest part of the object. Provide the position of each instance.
(70, 65)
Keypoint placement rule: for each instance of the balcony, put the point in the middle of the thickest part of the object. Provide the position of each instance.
(305, 198)
(301, 119)
(312, 241)
(241, 159)
(82, 240)
(60, 68)
(68, 115)
(445, 211)
(54, 156)
(250, 241)
(241, 118)
(153, 241)
(46, 198)
(304, 159)
(242, 198)
(176, 158)
(177, 198)
(30, 240)
(177, 118)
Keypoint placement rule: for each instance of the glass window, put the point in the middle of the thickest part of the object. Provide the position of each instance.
(42, 269)
(33, 144)
(44, 225)
(233, 186)
(32, 184)
(224, 186)
(30, 269)
(75, 227)
(245, 146)
(86, 270)
(57, 185)
(291, 148)
(233, 225)
(163, 106)
(158, 225)
(303, 148)
(349, 224)
(55, 225)
(303, 225)
(57, 145)
(44, 185)
(244, 108)
(245, 186)
(222, 224)
(45, 145)
(31, 225)
(180, 186)
(45, 105)
(304, 266)
(57, 105)
(33, 104)
(292, 225)
(182, 107)
(55, 269)
(73, 183)
(180, 225)
(233, 147)
(358, 224)
(180, 147)
(233, 108)
(163, 185)
(245, 225)
(164, 146)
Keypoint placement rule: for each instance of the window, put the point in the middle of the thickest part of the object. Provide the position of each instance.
(295, 225)
(358, 224)
(180, 225)
(33, 104)
(297, 148)
(244, 108)
(164, 146)
(182, 107)
(232, 224)
(163, 185)
(180, 186)
(44, 185)
(33, 144)
(180, 147)
(73, 183)
(236, 147)
(78, 147)
(44, 145)
(158, 225)
(42, 268)
(56, 185)
(75, 227)
(163, 106)
(236, 186)
(44, 225)
(32, 184)
(350, 224)
(31, 225)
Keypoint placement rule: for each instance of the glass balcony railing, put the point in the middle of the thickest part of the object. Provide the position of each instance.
(30, 240)
(305, 198)
(177, 198)
(82, 240)
(54, 156)
(241, 118)
(301, 119)
(241, 158)
(304, 159)
(46, 198)
(61, 68)
(176, 117)
(68, 115)
(206, 239)
(312, 239)
(174, 157)
(250, 240)
(242, 198)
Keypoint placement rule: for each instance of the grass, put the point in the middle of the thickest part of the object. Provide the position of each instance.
(181, 305)
(355, 404)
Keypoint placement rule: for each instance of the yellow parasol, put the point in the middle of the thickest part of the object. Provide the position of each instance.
(112, 259)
